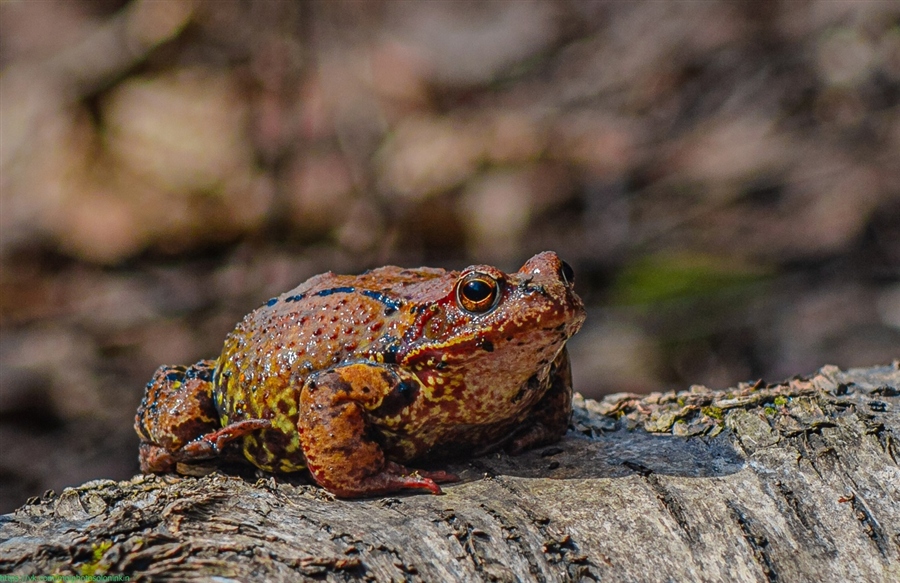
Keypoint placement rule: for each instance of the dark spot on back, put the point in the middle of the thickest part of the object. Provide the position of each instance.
(199, 371)
(391, 304)
(335, 290)
(390, 354)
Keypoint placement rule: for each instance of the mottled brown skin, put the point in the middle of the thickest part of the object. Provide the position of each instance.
(352, 376)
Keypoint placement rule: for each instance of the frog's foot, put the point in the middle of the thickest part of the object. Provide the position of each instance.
(157, 459)
(212, 444)
(393, 477)
(439, 476)
(337, 437)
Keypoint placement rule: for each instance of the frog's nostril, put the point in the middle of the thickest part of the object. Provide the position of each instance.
(567, 273)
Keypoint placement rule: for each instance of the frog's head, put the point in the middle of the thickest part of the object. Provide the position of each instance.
(493, 331)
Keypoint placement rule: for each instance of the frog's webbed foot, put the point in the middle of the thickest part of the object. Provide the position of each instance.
(212, 444)
(341, 452)
(395, 477)
(177, 420)
(158, 459)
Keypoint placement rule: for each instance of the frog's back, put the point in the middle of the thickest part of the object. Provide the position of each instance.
(325, 321)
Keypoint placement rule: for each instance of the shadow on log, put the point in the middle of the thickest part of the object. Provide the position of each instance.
(797, 481)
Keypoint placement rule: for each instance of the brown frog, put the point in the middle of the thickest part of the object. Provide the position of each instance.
(352, 376)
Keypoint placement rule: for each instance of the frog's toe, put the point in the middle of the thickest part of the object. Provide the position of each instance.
(395, 477)
(400, 478)
(211, 445)
(439, 476)
(397, 483)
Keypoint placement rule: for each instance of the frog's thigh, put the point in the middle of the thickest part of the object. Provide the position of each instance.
(550, 416)
(177, 408)
(340, 452)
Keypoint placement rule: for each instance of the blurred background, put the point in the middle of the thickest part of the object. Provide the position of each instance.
(723, 176)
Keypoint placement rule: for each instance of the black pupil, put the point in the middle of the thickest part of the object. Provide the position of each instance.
(477, 290)
(568, 273)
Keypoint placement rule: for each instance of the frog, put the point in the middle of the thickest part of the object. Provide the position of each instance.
(353, 378)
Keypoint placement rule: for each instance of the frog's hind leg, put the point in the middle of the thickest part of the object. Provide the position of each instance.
(342, 453)
(177, 420)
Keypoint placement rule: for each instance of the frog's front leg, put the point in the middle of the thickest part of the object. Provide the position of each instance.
(550, 416)
(337, 438)
(177, 420)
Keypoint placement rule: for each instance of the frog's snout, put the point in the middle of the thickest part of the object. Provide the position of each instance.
(554, 279)
(547, 268)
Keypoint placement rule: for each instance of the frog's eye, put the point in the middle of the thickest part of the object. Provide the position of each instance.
(477, 293)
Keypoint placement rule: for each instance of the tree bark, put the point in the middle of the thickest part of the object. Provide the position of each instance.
(796, 481)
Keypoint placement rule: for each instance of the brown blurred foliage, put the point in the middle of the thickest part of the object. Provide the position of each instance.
(724, 177)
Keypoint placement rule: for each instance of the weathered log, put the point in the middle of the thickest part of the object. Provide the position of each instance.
(796, 481)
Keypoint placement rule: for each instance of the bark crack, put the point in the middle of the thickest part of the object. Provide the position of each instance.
(669, 502)
(759, 543)
(558, 548)
(514, 540)
(871, 526)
